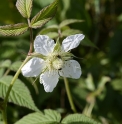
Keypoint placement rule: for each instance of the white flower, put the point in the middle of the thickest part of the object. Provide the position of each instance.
(56, 61)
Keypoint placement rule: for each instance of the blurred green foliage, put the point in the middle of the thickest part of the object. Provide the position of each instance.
(98, 93)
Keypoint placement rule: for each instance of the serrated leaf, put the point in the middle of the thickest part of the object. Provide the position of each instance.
(5, 64)
(24, 7)
(49, 117)
(19, 94)
(68, 32)
(69, 21)
(33, 118)
(87, 42)
(39, 23)
(15, 66)
(44, 15)
(78, 119)
(13, 30)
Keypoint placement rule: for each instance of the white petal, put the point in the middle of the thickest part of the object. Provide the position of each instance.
(33, 67)
(43, 44)
(72, 42)
(49, 80)
(71, 69)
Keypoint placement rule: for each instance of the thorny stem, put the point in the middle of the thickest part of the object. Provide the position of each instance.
(10, 87)
(69, 95)
(31, 38)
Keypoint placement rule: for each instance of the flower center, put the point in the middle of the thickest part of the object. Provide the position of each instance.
(58, 63)
(54, 61)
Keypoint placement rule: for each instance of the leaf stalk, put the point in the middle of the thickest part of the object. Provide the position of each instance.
(31, 37)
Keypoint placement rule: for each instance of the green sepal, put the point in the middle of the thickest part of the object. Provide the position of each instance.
(57, 46)
(67, 55)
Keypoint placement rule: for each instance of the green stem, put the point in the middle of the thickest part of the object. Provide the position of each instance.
(69, 95)
(88, 108)
(4, 117)
(10, 87)
(31, 38)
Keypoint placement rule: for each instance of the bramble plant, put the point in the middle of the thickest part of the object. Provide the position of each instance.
(48, 61)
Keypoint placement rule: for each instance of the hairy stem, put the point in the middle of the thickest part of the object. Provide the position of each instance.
(10, 87)
(31, 38)
(69, 95)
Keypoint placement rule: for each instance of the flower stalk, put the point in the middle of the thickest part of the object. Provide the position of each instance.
(69, 95)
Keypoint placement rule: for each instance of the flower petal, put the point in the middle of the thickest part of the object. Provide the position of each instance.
(49, 80)
(43, 44)
(33, 67)
(72, 42)
(71, 69)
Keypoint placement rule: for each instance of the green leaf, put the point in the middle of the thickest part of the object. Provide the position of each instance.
(33, 118)
(15, 66)
(69, 21)
(87, 42)
(51, 31)
(24, 7)
(5, 64)
(52, 35)
(2, 70)
(78, 119)
(68, 32)
(48, 30)
(44, 15)
(49, 117)
(13, 30)
(19, 94)
(53, 26)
